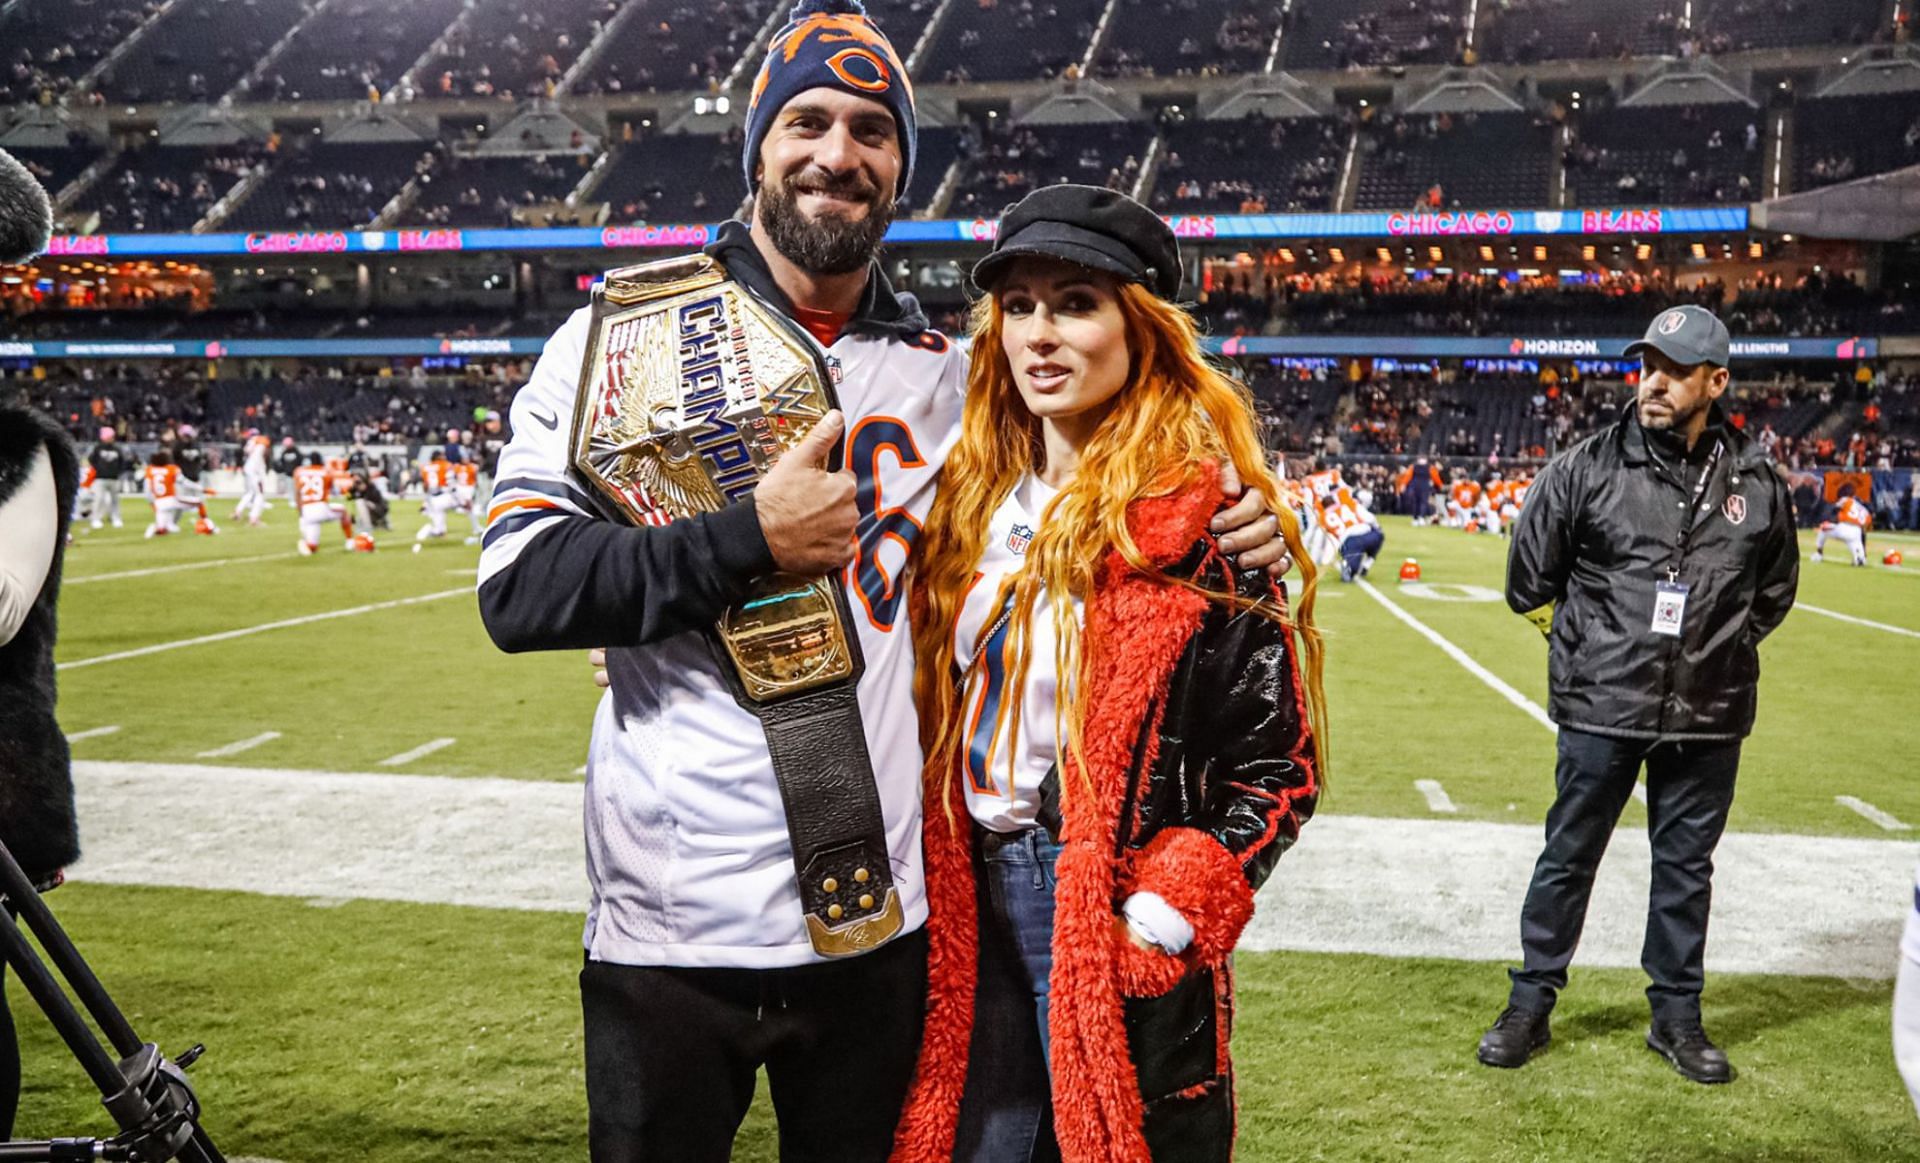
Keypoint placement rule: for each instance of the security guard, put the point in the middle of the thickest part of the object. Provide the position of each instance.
(1656, 555)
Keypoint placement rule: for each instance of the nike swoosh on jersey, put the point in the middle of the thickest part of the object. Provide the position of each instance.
(552, 422)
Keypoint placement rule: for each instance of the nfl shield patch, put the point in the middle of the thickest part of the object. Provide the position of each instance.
(1020, 538)
(1735, 508)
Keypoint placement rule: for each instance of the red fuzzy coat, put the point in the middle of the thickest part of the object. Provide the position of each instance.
(1172, 811)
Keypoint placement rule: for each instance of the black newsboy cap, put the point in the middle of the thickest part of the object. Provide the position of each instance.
(1090, 226)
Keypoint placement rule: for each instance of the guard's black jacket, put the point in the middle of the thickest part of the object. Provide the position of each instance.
(1601, 528)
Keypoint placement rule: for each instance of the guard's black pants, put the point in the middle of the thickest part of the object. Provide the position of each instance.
(1689, 789)
(671, 1055)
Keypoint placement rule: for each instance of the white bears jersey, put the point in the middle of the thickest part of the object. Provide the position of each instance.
(1003, 785)
(687, 848)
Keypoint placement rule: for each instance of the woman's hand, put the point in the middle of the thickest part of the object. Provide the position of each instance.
(597, 659)
(1248, 531)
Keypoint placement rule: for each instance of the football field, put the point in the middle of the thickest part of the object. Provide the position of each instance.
(332, 833)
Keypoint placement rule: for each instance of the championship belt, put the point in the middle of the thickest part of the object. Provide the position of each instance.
(691, 389)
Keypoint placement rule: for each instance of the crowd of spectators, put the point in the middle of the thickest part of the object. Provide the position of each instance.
(690, 46)
(511, 50)
(1156, 38)
(1345, 34)
(1006, 40)
(166, 188)
(1252, 166)
(1692, 154)
(1354, 300)
(1007, 162)
(50, 46)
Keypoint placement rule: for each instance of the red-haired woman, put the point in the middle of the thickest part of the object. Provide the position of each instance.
(1119, 734)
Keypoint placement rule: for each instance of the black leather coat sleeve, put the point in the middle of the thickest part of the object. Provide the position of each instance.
(1540, 560)
(585, 582)
(1779, 565)
(1246, 728)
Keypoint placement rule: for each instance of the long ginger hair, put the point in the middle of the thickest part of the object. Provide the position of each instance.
(1176, 413)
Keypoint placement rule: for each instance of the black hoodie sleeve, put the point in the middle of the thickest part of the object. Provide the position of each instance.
(554, 575)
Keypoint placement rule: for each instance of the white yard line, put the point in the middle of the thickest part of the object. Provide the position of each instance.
(229, 635)
(160, 569)
(1437, 798)
(1640, 791)
(1403, 888)
(420, 752)
(242, 745)
(1460, 656)
(1885, 820)
(94, 733)
(1856, 621)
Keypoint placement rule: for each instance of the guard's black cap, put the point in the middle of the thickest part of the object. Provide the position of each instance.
(1092, 227)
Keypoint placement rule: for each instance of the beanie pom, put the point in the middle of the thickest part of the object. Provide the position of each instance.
(806, 8)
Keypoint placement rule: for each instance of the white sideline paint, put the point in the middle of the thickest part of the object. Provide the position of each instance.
(1640, 791)
(1401, 888)
(1886, 820)
(242, 745)
(1460, 656)
(420, 752)
(1437, 798)
(1856, 621)
(160, 569)
(93, 733)
(245, 631)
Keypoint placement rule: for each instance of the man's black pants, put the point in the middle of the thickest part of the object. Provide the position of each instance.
(1689, 789)
(672, 1053)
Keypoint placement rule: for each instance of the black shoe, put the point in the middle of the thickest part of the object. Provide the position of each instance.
(1515, 1035)
(1693, 1054)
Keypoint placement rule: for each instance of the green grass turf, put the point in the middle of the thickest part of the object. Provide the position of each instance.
(1836, 715)
(374, 1031)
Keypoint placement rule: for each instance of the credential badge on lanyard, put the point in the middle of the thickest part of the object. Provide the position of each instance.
(1670, 596)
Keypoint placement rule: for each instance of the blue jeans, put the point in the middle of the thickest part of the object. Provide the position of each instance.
(1006, 1112)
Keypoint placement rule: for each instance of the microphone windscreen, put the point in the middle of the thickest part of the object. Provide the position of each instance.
(26, 213)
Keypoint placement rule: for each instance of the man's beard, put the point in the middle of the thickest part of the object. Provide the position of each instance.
(831, 244)
(1673, 419)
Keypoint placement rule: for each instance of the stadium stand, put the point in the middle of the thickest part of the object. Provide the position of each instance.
(330, 187)
(1837, 139)
(1009, 40)
(355, 49)
(1524, 31)
(57, 168)
(1014, 159)
(1668, 156)
(48, 45)
(688, 47)
(1167, 38)
(198, 49)
(164, 188)
(1345, 34)
(1473, 161)
(674, 178)
(1759, 24)
(507, 49)
(1255, 165)
(482, 191)
(905, 21)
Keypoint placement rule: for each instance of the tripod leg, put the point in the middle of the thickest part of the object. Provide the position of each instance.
(60, 950)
